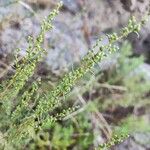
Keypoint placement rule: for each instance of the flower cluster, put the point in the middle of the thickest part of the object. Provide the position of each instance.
(24, 102)
(52, 100)
(26, 69)
(116, 139)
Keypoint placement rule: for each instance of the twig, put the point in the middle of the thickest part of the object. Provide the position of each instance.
(113, 87)
(74, 113)
(27, 6)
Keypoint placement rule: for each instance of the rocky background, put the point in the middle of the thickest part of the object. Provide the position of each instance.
(78, 25)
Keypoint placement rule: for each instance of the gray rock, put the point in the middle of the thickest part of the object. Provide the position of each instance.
(129, 145)
(143, 69)
(143, 139)
(71, 5)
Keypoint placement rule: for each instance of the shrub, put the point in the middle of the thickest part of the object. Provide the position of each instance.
(23, 111)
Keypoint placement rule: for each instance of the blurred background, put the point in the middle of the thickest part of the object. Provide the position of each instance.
(114, 97)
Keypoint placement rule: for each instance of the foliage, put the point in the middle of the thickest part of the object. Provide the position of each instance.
(25, 114)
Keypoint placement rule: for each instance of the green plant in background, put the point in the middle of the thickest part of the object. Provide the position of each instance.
(125, 64)
(25, 112)
(125, 75)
